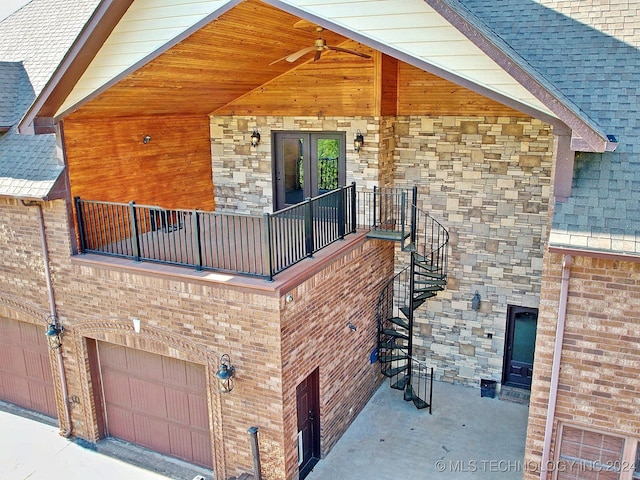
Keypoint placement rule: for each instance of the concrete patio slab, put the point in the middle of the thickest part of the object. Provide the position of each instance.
(467, 436)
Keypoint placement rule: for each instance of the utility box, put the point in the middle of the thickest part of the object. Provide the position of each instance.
(488, 388)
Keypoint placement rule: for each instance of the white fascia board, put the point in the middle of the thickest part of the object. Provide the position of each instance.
(415, 29)
(146, 28)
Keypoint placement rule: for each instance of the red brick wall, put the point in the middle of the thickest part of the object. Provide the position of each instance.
(21, 264)
(599, 382)
(196, 320)
(315, 334)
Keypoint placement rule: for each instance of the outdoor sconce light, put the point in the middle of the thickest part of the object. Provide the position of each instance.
(358, 142)
(475, 301)
(255, 137)
(225, 374)
(54, 334)
(146, 139)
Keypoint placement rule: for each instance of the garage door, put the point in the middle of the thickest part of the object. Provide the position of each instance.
(25, 369)
(157, 402)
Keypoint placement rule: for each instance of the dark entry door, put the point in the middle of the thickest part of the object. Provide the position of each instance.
(520, 346)
(306, 165)
(308, 400)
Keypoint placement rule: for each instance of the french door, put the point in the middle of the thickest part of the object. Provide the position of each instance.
(307, 164)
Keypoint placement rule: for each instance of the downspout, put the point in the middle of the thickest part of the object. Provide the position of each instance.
(555, 369)
(52, 310)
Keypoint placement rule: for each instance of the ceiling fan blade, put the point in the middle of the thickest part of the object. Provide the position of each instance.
(346, 50)
(278, 60)
(316, 57)
(295, 56)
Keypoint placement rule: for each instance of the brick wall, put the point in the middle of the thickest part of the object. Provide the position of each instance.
(21, 262)
(488, 181)
(315, 335)
(598, 386)
(197, 320)
(191, 320)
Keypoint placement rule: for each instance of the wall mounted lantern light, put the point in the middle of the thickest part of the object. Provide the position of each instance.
(54, 333)
(255, 137)
(475, 301)
(358, 142)
(225, 374)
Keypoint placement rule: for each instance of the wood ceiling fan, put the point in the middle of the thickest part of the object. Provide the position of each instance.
(319, 47)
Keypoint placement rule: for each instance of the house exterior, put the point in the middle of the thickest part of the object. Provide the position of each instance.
(152, 186)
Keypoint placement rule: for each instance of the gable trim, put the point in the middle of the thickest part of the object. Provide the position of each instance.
(75, 62)
(418, 63)
(595, 140)
(148, 58)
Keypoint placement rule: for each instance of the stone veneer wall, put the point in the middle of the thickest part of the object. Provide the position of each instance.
(599, 382)
(488, 181)
(242, 175)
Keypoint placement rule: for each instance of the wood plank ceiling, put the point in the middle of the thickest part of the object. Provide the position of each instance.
(217, 64)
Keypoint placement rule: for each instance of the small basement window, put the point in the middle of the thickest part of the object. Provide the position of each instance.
(590, 454)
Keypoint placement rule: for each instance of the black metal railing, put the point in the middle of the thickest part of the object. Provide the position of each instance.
(253, 245)
(422, 384)
(431, 242)
(401, 296)
(394, 296)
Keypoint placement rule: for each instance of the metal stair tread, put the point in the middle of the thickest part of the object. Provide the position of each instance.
(425, 295)
(395, 333)
(391, 358)
(430, 288)
(400, 384)
(437, 276)
(392, 372)
(387, 235)
(399, 321)
(391, 344)
(431, 281)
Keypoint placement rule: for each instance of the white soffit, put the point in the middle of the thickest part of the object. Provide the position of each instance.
(415, 29)
(145, 27)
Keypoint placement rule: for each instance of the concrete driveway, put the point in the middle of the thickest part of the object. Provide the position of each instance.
(466, 437)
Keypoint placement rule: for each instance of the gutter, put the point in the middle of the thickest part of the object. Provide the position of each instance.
(53, 312)
(584, 252)
(545, 466)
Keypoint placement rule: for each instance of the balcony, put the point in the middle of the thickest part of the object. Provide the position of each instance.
(260, 246)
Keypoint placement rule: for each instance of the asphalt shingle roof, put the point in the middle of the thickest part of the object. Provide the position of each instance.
(33, 42)
(13, 83)
(589, 51)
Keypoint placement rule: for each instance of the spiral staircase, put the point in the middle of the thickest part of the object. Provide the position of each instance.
(426, 242)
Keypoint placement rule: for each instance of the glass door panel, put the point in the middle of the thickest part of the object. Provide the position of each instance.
(306, 165)
(520, 346)
(328, 156)
(293, 170)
